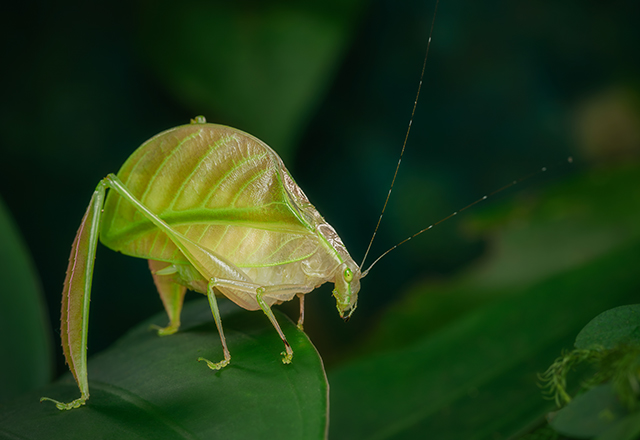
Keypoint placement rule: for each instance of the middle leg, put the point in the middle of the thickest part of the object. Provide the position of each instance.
(216, 317)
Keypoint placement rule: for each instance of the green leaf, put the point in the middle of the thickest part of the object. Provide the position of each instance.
(146, 386)
(476, 378)
(563, 227)
(626, 429)
(590, 414)
(25, 346)
(609, 329)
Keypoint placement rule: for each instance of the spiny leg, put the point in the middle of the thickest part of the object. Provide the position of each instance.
(216, 317)
(171, 293)
(288, 354)
(301, 318)
(76, 296)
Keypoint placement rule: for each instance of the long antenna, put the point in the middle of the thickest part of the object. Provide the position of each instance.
(485, 197)
(406, 136)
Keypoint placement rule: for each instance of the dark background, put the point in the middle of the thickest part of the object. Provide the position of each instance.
(510, 87)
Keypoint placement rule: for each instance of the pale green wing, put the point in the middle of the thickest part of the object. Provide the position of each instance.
(220, 187)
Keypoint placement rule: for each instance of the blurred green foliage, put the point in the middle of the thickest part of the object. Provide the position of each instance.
(472, 373)
(488, 299)
(26, 352)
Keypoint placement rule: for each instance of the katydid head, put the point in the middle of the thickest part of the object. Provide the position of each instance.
(347, 286)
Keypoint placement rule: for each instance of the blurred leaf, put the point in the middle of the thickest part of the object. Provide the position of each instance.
(609, 342)
(146, 386)
(589, 414)
(542, 432)
(530, 239)
(262, 66)
(476, 378)
(556, 261)
(561, 227)
(609, 329)
(626, 429)
(598, 414)
(25, 347)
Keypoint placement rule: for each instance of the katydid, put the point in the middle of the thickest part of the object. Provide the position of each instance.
(214, 210)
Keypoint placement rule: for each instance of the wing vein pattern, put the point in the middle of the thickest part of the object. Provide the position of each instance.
(217, 186)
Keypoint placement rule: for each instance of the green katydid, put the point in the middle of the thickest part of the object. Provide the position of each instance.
(212, 209)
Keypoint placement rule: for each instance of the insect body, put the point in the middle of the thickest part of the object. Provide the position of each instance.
(214, 210)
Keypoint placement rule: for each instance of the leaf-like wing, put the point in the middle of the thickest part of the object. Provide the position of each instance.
(220, 187)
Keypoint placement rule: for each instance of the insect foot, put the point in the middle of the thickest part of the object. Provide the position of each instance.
(65, 406)
(287, 355)
(216, 366)
(165, 331)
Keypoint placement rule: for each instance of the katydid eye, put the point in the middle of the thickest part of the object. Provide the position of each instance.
(348, 275)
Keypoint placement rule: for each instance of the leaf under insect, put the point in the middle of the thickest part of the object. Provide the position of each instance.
(146, 386)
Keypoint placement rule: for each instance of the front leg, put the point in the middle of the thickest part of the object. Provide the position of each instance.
(287, 355)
